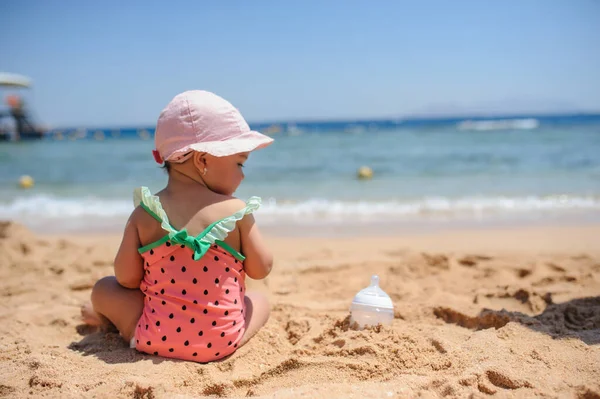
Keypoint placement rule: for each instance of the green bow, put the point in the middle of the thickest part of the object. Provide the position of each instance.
(198, 246)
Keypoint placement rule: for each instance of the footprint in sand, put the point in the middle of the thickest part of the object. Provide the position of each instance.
(296, 330)
(438, 346)
(438, 261)
(513, 300)
(45, 381)
(582, 315)
(501, 380)
(472, 260)
(494, 379)
(554, 280)
(555, 268)
(485, 319)
(522, 273)
(137, 391)
(6, 391)
(82, 285)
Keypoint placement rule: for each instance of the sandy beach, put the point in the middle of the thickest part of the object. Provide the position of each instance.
(449, 148)
(502, 312)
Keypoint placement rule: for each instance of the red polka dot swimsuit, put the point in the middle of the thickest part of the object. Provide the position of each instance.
(193, 289)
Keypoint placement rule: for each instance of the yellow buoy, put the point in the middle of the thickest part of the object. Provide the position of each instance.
(144, 134)
(365, 173)
(26, 181)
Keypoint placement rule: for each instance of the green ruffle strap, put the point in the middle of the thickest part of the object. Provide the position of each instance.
(219, 230)
(201, 243)
(142, 195)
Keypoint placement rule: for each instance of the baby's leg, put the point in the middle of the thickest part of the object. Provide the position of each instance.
(121, 306)
(257, 314)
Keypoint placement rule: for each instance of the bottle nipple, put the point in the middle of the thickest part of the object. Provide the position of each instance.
(374, 280)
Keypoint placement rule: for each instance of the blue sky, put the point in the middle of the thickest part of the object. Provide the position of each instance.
(113, 63)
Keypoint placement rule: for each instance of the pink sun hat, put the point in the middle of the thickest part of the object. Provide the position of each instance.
(198, 120)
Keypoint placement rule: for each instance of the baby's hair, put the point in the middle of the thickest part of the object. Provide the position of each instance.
(167, 165)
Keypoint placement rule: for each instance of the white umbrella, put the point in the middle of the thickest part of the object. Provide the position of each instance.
(14, 80)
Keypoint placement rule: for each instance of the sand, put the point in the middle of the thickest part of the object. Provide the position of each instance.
(509, 313)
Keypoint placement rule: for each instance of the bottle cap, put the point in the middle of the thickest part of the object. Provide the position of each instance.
(373, 296)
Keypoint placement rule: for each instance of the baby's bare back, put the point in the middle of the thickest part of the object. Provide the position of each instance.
(194, 209)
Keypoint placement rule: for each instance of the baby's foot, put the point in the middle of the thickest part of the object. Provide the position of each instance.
(89, 315)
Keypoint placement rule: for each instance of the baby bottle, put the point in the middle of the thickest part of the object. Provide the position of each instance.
(372, 306)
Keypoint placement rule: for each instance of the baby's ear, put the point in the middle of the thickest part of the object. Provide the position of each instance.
(200, 160)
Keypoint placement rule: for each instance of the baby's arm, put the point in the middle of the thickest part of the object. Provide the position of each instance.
(129, 264)
(259, 259)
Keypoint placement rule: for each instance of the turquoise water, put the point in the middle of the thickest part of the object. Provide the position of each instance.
(482, 170)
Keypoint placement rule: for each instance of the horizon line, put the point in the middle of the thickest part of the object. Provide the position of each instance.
(405, 118)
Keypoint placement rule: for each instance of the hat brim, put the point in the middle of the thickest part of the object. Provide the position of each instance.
(246, 142)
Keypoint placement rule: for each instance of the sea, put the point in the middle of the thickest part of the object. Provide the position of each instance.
(427, 174)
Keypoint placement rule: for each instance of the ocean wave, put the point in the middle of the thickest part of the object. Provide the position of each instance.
(499, 124)
(42, 209)
(428, 207)
(46, 206)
